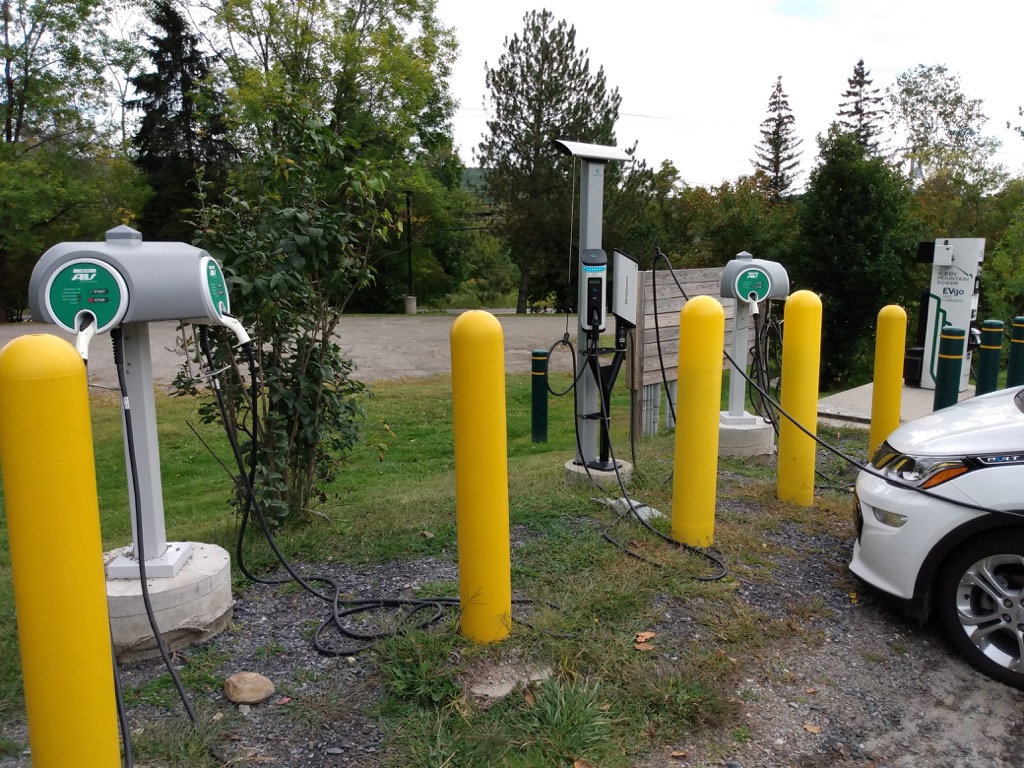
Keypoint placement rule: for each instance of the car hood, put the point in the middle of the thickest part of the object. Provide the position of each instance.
(992, 423)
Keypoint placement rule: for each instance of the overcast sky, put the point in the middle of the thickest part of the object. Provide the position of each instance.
(695, 77)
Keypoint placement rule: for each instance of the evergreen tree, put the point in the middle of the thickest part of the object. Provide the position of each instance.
(855, 247)
(182, 132)
(542, 89)
(777, 154)
(862, 112)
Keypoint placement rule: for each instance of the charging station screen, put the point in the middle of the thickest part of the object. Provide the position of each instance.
(86, 286)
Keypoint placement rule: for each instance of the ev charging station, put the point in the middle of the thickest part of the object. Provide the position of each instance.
(88, 288)
(595, 381)
(952, 300)
(748, 281)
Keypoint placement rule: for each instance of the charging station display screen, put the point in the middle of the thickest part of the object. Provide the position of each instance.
(216, 285)
(753, 283)
(89, 286)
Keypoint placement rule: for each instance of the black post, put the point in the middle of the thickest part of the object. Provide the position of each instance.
(408, 234)
(539, 420)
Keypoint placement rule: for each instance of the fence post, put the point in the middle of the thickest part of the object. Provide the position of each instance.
(539, 412)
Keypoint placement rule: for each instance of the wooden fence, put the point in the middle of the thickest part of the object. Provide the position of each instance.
(644, 365)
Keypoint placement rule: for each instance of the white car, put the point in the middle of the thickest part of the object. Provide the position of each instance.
(940, 527)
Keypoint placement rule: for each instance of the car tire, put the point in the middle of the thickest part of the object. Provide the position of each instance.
(979, 604)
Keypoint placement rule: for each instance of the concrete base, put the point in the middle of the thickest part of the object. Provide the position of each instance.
(577, 474)
(410, 305)
(190, 607)
(744, 440)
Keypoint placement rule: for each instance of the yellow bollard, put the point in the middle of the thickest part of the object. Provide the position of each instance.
(801, 359)
(481, 476)
(695, 474)
(887, 390)
(49, 474)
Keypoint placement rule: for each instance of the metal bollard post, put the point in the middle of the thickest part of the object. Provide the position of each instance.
(539, 411)
(949, 366)
(989, 355)
(1015, 366)
(801, 359)
(887, 389)
(481, 477)
(695, 473)
(53, 520)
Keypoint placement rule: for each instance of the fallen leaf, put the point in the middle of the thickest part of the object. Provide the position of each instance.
(644, 647)
(605, 707)
(679, 754)
(581, 764)
(426, 534)
(643, 637)
(530, 698)
(812, 728)
(810, 691)
(283, 700)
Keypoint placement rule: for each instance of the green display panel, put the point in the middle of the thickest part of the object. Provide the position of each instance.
(217, 286)
(87, 285)
(753, 281)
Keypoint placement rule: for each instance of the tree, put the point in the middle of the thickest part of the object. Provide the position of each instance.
(854, 249)
(777, 154)
(59, 177)
(541, 89)
(182, 132)
(296, 233)
(942, 129)
(862, 112)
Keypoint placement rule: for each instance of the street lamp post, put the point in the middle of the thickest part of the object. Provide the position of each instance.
(410, 298)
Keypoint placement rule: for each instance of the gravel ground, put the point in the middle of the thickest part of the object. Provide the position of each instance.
(856, 685)
(860, 686)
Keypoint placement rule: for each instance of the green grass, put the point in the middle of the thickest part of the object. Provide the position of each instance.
(606, 702)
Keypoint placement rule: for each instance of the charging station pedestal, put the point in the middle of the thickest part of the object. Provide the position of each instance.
(748, 281)
(594, 382)
(126, 283)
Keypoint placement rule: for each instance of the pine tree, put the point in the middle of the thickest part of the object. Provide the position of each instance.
(542, 89)
(182, 131)
(777, 154)
(862, 112)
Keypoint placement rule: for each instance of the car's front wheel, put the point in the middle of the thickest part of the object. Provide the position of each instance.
(979, 602)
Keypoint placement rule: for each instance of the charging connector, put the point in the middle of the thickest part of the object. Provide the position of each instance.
(86, 324)
(234, 325)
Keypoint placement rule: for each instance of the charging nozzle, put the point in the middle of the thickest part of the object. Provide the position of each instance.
(86, 325)
(235, 326)
(752, 301)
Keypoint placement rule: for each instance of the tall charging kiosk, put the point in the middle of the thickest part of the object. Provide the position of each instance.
(952, 300)
(126, 284)
(591, 405)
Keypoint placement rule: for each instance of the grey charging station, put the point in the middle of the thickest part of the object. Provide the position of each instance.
(591, 407)
(748, 281)
(123, 281)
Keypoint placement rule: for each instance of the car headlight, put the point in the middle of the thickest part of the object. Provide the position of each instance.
(918, 471)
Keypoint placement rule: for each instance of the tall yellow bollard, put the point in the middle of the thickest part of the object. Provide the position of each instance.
(887, 390)
(801, 359)
(53, 519)
(695, 474)
(481, 476)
